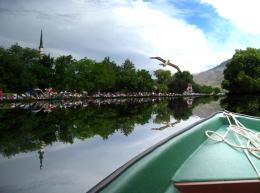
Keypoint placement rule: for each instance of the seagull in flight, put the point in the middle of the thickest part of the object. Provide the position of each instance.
(166, 62)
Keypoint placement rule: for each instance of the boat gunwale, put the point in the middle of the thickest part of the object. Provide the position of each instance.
(111, 177)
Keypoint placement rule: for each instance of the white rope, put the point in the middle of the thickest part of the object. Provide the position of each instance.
(240, 131)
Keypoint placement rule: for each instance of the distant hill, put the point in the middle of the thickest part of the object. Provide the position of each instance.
(211, 77)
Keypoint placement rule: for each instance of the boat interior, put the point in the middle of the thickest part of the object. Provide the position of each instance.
(191, 162)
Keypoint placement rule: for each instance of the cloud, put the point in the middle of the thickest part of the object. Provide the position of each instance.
(243, 14)
(120, 29)
(167, 36)
(239, 25)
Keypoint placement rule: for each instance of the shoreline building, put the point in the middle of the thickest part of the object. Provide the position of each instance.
(41, 46)
(189, 88)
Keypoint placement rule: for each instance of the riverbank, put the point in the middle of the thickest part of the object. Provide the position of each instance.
(66, 95)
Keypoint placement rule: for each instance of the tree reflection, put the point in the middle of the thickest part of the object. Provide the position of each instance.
(245, 104)
(163, 112)
(181, 110)
(24, 131)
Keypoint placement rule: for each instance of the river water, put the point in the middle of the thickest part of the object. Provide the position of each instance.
(65, 146)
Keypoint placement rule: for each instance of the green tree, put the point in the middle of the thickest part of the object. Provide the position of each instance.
(104, 75)
(61, 65)
(15, 68)
(44, 71)
(216, 90)
(163, 78)
(242, 74)
(180, 82)
(79, 75)
(127, 77)
(144, 81)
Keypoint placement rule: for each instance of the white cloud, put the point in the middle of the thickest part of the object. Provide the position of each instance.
(239, 25)
(244, 14)
(167, 36)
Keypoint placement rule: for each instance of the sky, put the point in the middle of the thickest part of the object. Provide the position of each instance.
(194, 34)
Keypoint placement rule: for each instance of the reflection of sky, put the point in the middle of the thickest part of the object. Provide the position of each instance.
(79, 166)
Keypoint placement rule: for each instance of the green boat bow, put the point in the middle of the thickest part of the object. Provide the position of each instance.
(189, 161)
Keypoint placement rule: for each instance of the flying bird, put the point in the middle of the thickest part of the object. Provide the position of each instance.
(166, 62)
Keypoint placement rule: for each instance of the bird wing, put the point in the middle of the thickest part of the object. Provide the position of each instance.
(164, 62)
(175, 66)
(158, 58)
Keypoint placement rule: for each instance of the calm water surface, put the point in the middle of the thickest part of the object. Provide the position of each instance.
(70, 146)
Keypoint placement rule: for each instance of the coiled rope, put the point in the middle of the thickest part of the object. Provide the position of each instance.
(252, 138)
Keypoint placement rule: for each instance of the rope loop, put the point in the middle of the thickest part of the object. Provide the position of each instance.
(210, 134)
(250, 138)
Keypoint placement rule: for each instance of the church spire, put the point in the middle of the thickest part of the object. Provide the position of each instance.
(41, 45)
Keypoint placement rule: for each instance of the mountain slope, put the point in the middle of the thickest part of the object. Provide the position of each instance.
(211, 77)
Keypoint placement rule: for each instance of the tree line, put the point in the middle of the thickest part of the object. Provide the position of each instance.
(23, 69)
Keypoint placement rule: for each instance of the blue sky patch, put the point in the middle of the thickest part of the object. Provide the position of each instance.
(193, 12)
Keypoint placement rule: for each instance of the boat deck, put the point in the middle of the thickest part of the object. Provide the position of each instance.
(215, 161)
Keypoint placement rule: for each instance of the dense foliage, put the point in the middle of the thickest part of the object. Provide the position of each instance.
(24, 69)
(242, 74)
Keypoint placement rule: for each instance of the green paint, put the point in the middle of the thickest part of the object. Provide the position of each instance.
(188, 157)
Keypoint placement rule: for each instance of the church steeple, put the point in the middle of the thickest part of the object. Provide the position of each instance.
(41, 45)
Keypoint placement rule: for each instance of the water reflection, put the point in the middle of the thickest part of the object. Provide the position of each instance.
(167, 125)
(75, 144)
(22, 131)
(245, 104)
(41, 153)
